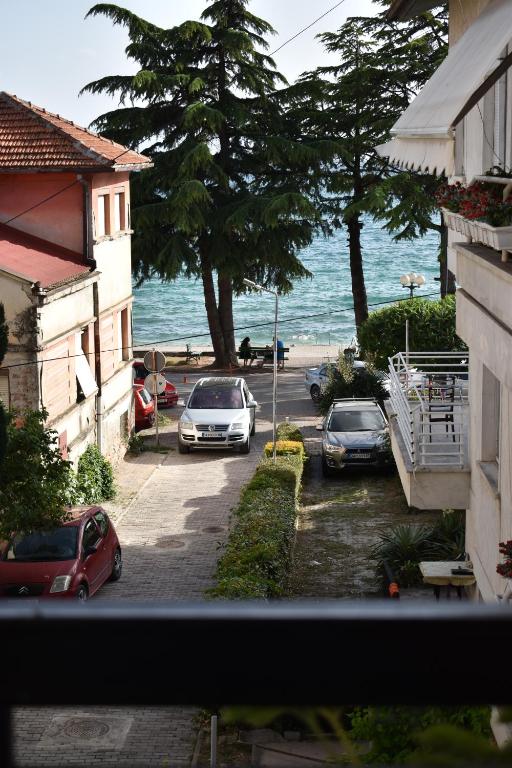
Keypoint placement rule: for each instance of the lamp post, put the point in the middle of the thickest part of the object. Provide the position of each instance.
(412, 281)
(261, 288)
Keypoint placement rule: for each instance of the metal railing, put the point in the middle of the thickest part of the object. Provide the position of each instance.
(233, 653)
(429, 396)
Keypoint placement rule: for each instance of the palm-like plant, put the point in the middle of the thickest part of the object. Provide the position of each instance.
(403, 547)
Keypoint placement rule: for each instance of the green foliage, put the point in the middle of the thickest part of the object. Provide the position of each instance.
(3, 333)
(431, 328)
(94, 480)
(135, 443)
(347, 381)
(404, 546)
(396, 732)
(288, 431)
(285, 448)
(257, 555)
(35, 479)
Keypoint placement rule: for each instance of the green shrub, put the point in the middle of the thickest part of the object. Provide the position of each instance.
(257, 555)
(394, 731)
(284, 448)
(431, 328)
(347, 381)
(94, 480)
(287, 431)
(404, 546)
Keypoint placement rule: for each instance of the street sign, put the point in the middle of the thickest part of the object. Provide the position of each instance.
(155, 383)
(154, 361)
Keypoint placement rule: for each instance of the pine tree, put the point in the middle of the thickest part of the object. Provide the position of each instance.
(354, 103)
(3, 350)
(223, 197)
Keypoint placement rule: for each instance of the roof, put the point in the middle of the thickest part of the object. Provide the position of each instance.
(361, 402)
(39, 261)
(423, 136)
(32, 139)
(401, 10)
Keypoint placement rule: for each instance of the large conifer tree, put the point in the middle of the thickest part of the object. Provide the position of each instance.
(223, 198)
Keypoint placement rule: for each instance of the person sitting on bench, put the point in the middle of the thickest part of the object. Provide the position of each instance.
(245, 352)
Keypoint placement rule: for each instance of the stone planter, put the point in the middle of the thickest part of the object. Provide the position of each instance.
(499, 238)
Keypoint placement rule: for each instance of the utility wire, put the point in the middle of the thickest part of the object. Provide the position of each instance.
(200, 335)
(41, 202)
(300, 32)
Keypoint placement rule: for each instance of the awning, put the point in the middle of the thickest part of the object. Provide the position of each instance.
(83, 369)
(423, 136)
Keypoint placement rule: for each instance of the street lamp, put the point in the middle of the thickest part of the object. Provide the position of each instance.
(252, 284)
(412, 281)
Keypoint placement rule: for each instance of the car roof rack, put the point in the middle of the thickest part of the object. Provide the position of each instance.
(353, 399)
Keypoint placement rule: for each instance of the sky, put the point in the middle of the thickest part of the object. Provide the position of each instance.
(49, 52)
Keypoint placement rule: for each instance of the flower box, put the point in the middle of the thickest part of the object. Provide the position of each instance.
(499, 238)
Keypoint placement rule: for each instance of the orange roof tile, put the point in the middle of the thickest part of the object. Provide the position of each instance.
(33, 139)
(38, 260)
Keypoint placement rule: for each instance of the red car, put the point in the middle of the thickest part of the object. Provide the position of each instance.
(167, 399)
(144, 408)
(74, 560)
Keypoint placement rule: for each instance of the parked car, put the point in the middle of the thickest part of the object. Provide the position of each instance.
(220, 413)
(73, 560)
(317, 378)
(355, 434)
(144, 408)
(169, 396)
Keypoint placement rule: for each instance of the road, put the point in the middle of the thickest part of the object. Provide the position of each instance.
(171, 536)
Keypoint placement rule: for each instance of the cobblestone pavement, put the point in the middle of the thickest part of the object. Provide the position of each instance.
(171, 515)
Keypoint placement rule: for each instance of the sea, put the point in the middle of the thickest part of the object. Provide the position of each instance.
(317, 311)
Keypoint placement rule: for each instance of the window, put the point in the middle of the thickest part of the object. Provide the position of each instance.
(91, 535)
(102, 522)
(216, 397)
(102, 223)
(491, 416)
(119, 212)
(120, 345)
(4, 388)
(125, 334)
(85, 381)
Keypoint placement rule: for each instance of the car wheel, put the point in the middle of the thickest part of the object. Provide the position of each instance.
(253, 428)
(183, 448)
(117, 566)
(82, 594)
(315, 393)
(327, 471)
(246, 447)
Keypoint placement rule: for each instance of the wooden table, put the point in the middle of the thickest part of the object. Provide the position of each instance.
(439, 574)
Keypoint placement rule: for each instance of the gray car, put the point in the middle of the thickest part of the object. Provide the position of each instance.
(355, 434)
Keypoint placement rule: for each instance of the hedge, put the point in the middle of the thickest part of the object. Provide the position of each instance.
(258, 551)
(431, 329)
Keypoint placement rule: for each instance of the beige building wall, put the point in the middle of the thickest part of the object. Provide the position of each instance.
(462, 14)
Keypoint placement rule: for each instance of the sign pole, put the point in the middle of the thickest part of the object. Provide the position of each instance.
(155, 397)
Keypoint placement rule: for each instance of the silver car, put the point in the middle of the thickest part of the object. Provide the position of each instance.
(355, 434)
(317, 378)
(220, 413)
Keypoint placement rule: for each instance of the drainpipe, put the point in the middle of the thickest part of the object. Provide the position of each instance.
(86, 220)
(39, 293)
(97, 365)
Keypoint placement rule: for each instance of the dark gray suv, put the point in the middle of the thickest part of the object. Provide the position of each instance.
(356, 434)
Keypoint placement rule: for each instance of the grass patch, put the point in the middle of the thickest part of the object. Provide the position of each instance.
(257, 556)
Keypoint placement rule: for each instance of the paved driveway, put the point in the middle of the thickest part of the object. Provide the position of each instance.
(171, 535)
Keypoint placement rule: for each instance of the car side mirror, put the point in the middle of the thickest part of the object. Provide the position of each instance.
(89, 551)
(320, 427)
(252, 403)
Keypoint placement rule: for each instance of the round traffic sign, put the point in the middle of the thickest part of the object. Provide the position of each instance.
(155, 383)
(154, 361)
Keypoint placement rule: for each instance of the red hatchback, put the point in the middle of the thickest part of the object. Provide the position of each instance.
(168, 398)
(73, 560)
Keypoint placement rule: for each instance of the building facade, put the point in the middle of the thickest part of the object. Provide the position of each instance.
(460, 124)
(65, 275)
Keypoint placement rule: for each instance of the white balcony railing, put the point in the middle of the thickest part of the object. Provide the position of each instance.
(429, 397)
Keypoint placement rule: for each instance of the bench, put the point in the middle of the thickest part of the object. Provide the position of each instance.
(265, 355)
(192, 356)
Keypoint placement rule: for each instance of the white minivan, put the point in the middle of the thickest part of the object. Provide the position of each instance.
(220, 413)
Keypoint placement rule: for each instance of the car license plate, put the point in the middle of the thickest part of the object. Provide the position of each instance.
(212, 434)
(360, 456)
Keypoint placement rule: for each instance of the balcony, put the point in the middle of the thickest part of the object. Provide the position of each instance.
(428, 412)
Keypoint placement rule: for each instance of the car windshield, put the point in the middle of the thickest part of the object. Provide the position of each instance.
(216, 397)
(41, 546)
(356, 421)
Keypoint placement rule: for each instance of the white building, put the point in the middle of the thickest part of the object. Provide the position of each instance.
(461, 124)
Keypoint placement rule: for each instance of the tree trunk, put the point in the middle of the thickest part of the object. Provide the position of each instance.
(225, 285)
(212, 313)
(356, 270)
(447, 277)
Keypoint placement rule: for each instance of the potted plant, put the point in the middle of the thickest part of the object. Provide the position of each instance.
(478, 211)
(505, 568)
